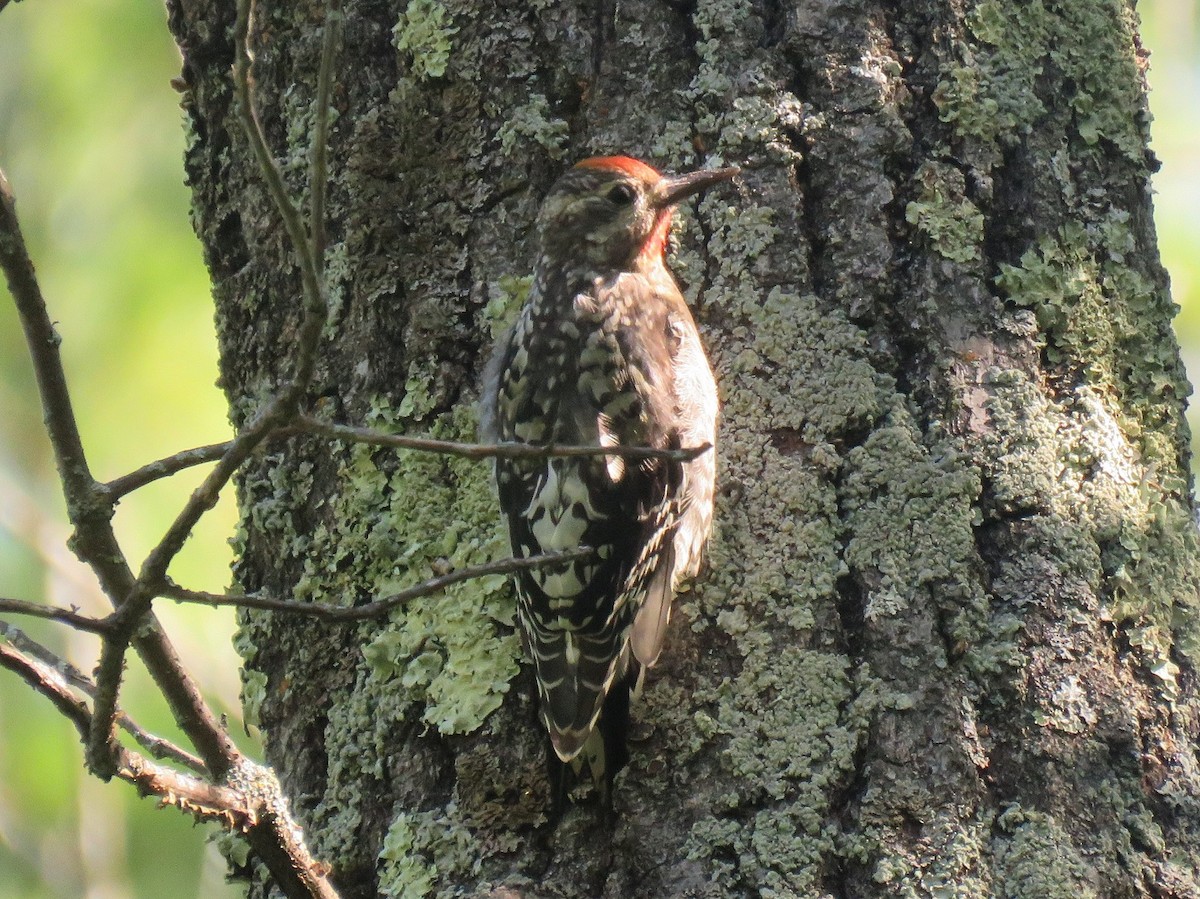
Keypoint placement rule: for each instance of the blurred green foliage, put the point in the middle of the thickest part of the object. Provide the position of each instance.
(1171, 31)
(91, 141)
(90, 138)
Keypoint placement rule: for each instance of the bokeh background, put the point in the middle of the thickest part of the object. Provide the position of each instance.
(91, 139)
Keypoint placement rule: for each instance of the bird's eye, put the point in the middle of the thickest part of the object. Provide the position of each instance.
(622, 194)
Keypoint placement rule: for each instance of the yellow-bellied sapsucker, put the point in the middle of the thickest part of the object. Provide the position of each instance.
(604, 353)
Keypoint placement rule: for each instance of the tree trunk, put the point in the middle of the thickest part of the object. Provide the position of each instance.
(945, 646)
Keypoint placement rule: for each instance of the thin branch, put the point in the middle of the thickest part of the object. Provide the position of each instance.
(163, 468)
(318, 177)
(89, 511)
(136, 603)
(315, 307)
(306, 424)
(160, 747)
(204, 800)
(272, 834)
(48, 682)
(43, 341)
(282, 408)
(379, 607)
(157, 746)
(490, 450)
(275, 839)
(181, 461)
(53, 613)
(247, 799)
(275, 414)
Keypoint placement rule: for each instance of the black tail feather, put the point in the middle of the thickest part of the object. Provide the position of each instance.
(614, 728)
(605, 754)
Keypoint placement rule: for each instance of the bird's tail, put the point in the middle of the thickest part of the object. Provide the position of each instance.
(575, 671)
(604, 752)
(583, 682)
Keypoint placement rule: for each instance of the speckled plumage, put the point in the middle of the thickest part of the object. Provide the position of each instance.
(604, 352)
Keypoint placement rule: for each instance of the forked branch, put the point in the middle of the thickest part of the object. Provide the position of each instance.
(240, 793)
(246, 801)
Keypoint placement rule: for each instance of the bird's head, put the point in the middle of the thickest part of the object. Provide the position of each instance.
(614, 212)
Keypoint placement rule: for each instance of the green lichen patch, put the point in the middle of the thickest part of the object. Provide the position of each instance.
(995, 87)
(254, 689)
(422, 849)
(443, 662)
(268, 497)
(1119, 438)
(444, 651)
(1156, 589)
(942, 213)
(533, 124)
(789, 722)
(827, 390)
(738, 95)
(787, 570)
(424, 32)
(1060, 280)
(989, 91)
(1094, 308)
(1036, 859)
(948, 868)
(792, 719)
(404, 873)
(360, 739)
(1071, 462)
(786, 415)
(893, 479)
(743, 232)
(505, 299)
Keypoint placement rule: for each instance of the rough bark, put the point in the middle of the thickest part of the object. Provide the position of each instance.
(946, 644)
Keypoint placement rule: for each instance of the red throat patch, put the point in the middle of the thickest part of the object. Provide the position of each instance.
(655, 246)
(627, 164)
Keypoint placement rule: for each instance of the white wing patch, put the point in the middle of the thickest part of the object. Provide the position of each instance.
(614, 464)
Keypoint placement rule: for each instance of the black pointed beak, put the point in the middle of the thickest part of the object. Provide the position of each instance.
(674, 189)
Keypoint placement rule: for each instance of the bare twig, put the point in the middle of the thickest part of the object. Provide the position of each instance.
(270, 830)
(275, 841)
(47, 682)
(318, 177)
(274, 415)
(84, 505)
(181, 461)
(490, 450)
(315, 307)
(307, 424)
(204, 800)
(157, 746)
(163, 468)
(249, 799)
(160, 747)
(379, 607)
(53, 613)
(90, 512)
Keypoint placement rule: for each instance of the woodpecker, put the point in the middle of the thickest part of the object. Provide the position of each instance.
(603, 353)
